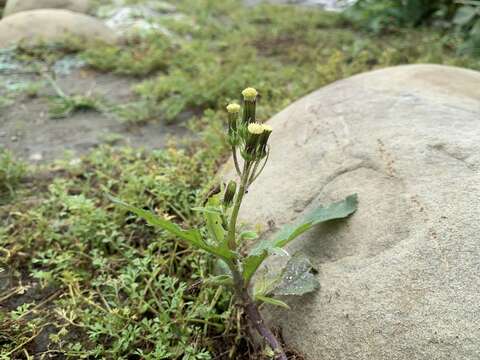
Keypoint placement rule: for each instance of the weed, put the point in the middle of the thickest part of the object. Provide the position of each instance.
(249, 138)
(64, 106)
(11, 173)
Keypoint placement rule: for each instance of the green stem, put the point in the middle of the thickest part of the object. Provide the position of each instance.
(236, 207)
(235, 160)
(255, 174)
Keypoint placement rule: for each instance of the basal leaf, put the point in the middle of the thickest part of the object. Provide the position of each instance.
(265, 282)
(297, 277)
(259, 253)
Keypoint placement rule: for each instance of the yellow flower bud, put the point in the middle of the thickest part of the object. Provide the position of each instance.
(230, 192)
(233, 108)
(267, 128)
(255, 128)
(249, 94)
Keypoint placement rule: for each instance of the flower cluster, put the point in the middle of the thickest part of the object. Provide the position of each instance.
(247, 133)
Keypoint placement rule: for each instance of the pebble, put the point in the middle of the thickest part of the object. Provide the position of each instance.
(36, 157)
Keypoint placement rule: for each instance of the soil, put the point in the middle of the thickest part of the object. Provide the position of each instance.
(28, 131)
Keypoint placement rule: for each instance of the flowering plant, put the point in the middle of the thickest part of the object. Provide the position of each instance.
(250, 138)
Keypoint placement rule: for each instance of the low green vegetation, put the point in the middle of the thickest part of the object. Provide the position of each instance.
(11, 173)
(459, 18)
(81, 280)
(220, 47)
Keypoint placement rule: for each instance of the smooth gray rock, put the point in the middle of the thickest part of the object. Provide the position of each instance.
(400, 279)
(326, 4)
(15, 6)
(52, 26)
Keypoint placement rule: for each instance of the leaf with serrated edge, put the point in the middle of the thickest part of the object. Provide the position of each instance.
(265, 282)
(259, 253)
(297, 277)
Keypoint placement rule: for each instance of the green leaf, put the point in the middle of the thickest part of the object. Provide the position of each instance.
(219, 280)
(213, 219)
(464, 15)
(475, 31)
(297, 277)
(248, 235)
(265, 282)
(193, 237)
(259, 253)
(209, 210)
(272, 301)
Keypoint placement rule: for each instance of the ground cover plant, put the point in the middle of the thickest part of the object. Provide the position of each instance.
(77, 277)
(455, 17)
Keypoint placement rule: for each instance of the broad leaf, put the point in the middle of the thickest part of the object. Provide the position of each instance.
(259, 253)
(464, 15)
(272, 301)
(265, 282)
(297, 277)
(193, 237)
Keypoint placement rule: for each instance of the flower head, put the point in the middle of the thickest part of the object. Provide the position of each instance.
(263, 141)
(250, 94)
(267, 128)
(255, 128)
(233, 108)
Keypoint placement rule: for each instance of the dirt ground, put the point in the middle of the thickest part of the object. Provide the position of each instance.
(27, 130)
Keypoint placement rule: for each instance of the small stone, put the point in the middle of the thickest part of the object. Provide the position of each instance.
(53, 26)
(15, 6)
(36, 157)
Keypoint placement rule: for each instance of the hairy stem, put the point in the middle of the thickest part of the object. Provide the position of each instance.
(255, 317)
(240, 285)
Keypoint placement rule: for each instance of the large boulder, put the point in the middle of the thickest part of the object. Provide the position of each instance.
(400, 279)
(52, 26)
(15, 6)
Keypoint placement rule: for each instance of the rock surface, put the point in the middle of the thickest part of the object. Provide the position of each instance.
(52, 26)
(326, 4)
(401, 278)
(15, 6)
